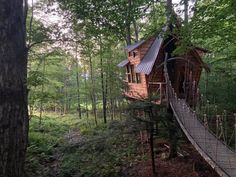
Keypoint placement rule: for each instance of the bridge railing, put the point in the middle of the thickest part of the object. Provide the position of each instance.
(220, 156)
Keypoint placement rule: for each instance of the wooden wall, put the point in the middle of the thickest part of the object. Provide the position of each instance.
(139, 90)
(187, 74)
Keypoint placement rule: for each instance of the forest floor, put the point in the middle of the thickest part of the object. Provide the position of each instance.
(64, 146)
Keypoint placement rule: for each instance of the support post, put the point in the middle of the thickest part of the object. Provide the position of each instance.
(151, 140)
(152, 150)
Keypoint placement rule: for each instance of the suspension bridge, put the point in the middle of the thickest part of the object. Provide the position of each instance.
(220, 156)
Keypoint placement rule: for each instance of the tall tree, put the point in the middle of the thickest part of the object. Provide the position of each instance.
(108, 17)
(186, 4)
(104, 95)
(13, 88)
(77, 80)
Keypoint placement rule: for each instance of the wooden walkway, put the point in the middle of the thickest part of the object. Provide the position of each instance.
(221, 158)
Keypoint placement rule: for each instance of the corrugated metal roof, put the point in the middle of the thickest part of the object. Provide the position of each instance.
(123, 63)
(129, 48)
(149, 59)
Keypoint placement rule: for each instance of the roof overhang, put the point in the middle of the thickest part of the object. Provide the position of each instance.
(123, 63)
(129, 48)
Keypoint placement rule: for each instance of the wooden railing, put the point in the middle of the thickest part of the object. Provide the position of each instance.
(158, 89)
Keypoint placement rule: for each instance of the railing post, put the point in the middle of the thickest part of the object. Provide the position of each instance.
(208, 107)
(183, 117)
(235, 130)
(194, 124)
(160, 85)
(221, 128)
(224, 126)
(217, 125)
(205, 120)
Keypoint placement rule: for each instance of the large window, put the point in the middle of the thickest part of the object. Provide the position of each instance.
(132, 73)
(138, 79)
(132, 77)
(128, 73)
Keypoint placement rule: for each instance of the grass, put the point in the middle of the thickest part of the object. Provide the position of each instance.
(99, 151)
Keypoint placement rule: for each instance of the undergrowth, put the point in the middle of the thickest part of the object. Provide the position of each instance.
(43, 139)
(100, 151)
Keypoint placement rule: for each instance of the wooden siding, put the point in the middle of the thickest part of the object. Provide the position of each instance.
(145, 47)
(139, 90)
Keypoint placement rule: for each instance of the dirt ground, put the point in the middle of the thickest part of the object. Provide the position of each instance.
(188, 163)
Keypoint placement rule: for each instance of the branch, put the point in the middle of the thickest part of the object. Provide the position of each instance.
(51, 40)
(39, 42)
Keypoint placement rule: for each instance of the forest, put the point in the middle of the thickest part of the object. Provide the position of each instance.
(71, 99)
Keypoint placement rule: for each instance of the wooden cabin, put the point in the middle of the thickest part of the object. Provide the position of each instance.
(145, 70)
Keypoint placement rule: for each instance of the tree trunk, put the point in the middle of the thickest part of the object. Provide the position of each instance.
(136, 30)
(186, 11)
(93, 94)
(86, 100)
(128, 23)
(77, 81)
(104, 97)
(65, 96)
(169, 10)
(42, 91)
(173, 138)
(13, 89)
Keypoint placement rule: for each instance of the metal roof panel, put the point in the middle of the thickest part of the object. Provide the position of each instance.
(123, 63)
(147, 63)
(131, 47)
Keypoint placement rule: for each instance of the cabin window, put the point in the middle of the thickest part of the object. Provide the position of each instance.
(128, 73)
(138, 79)
(132, 73)
(127, 69)
(134, 54)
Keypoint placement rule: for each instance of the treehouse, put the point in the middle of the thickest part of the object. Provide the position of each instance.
(145, 69)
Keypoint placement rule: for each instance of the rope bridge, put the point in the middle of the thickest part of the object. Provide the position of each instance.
(221, 158)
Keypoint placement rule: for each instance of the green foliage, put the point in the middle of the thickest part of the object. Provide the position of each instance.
(36, 31)
(35, 78)
(105, 17)
(105, 151)
(43, 140)
(213, 27)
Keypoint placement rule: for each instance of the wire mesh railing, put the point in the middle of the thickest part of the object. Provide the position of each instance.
(207, 142)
